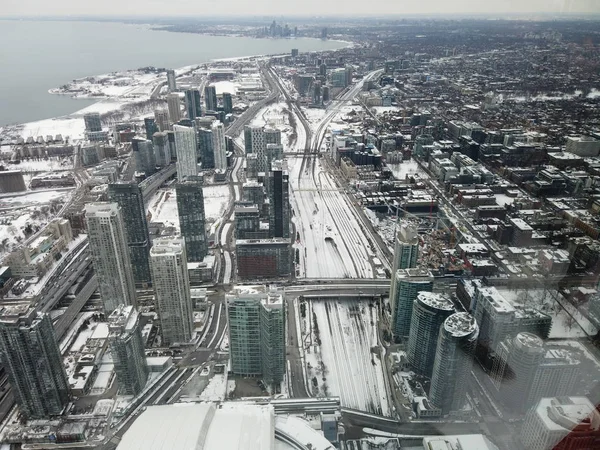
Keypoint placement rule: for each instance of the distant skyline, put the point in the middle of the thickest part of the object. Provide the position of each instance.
(190, 8)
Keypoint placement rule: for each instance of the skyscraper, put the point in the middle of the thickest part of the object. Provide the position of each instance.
(151, 127)
(429, 313)
(190, 206)
(453, 361)
(406, 248)
(405, 286)
(131, 202)
(172, 287)
(162, 149)
(227, 103)
(272, 136)
(210, 98)
(110, 255)
(92, 122)
(32, 360)
(193, 106)
(265, 156)
(185, 142)
(279, 201)
(173, 105)
(143, 156)
(218, 132)
(171, 82)
(127, 349)
(206, 148)
(161, 118)
(257, 335)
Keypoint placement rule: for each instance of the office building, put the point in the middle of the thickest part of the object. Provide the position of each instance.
(206, 149)
(33, 363)
(143, 156)
(172, 290)
(128, 196)
(227, 103)
(453, 361)
(247, 222)
(162, 149)
(220, 153)
(161, 118)
(251, 166)
(279, 201)
(107, 239)
(210, 98)
(562, 423)
(173, 105)
(151, 127)
(263, 258)
(584, 146)
(525, 371)
(171, 81)
(265, 156)
(429, 313)
(127, 350)
(404, 288)
(406, 249)
(185, 143)
(257, 335)
(256, 138)
(190, 207)
(193, 105)
(92, 122)
(253, 192)
(272, 136)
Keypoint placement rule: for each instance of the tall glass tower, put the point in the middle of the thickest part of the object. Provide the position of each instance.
(190, 206)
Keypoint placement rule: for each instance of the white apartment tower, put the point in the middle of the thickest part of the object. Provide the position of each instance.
(172, 288)
(187, 159)
(110, 255)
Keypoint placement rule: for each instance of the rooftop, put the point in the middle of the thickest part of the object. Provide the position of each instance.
(460, 324)
(564, 413)
(166, 245)
(437, 301)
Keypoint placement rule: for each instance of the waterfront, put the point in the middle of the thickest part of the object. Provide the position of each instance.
(47, 54)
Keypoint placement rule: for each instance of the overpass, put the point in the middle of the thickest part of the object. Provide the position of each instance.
(150, 185)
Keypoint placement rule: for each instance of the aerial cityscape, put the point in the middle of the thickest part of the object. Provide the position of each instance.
(360, 233)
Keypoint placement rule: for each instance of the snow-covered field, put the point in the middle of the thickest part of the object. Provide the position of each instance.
(43, 165)
(344, 360)
(407, 168)
(332, 243)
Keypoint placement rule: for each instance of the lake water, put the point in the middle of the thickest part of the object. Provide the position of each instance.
(39, 55)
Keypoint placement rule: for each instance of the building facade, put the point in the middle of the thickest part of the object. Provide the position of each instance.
(219, 147)
(406, 249)
(279, 201)
(185, 143)
(206, 149)
(405, 286)
(210, 98)
(263, 258)
(143, 156)
(174, 107)
(193, 105)
(161, 118)
(107, 239)
(192, 223)
(171, 81)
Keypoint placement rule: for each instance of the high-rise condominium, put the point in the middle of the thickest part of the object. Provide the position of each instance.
(171, 82)
(32, 360)
(406, 249)
(405, 286)
(187, 160)
(219, 147)
(143, 156)
(193, 105)
(127, 349)
(131, 202)
(279, 201)
(453, 361)
(161, 118)
(162, 149)
(227, 103)
(206, 148)
(429, 313)
(172, 287)
(110, 255)
(210, 98)
(173, 104)
(92, 122)
(190, 206)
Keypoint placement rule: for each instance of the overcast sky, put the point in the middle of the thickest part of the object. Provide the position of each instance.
(286, 7)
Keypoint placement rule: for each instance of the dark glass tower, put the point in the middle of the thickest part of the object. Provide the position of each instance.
(206, 150)
(210, 98)
(227, 103)
(193, 105)
(190, 205)
(130, 199)
(279, 201)
(151, 127)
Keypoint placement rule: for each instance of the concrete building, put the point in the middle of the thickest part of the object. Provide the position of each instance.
(143, 156)
(256, 138)
(171, 81)
(128, 196)
(406, 249)
(429, 313)
(32, 360)
(257, 335)
(210, 98)
(92, 121)
(453, 361)
(279, 201)
(219, 146)
(193, 105)
(174, 107)
(162, 149)
(263, 258)
(254, 192)
(562, 423)
(127, 349)
(495, 317)
(405, 286)
(269, 154)
(107, 239)
(192, 223)
(161, 118)
(187, 160)
(584, 146)
(247, 222)
(172, 289)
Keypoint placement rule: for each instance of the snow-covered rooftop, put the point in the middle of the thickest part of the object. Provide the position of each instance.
(460, 324)
(434, 300)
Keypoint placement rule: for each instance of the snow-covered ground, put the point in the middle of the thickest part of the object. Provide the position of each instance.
(344, 360)
(407, 168)
(225, 86)
(332, 244)
(43, 165)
